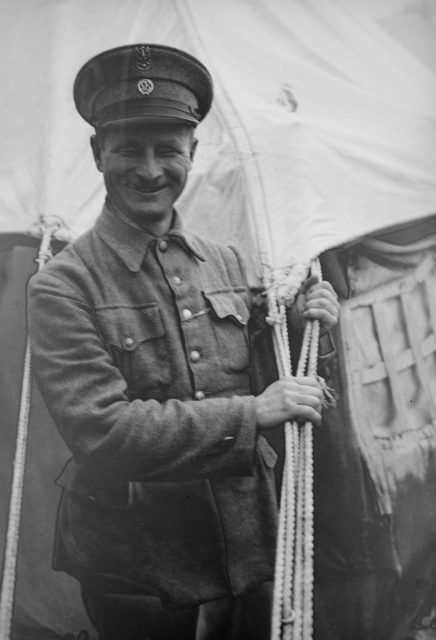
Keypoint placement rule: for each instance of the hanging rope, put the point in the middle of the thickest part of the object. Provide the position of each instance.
(48, 227)
(292, 616)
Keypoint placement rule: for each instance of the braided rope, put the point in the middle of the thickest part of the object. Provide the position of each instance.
(287, 500)
(307, 456)
(292, 616)
(13, 530)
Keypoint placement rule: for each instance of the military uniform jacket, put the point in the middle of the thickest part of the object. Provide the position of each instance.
(140, 349)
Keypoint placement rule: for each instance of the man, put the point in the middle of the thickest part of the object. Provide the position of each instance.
(139, 332)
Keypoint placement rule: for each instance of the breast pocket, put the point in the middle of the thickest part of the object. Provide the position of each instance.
(230, 318)
(136, 339)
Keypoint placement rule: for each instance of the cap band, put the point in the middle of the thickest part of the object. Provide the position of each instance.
(158, 107)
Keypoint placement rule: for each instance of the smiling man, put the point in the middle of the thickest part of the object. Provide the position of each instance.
(140, 340)
(145, 167)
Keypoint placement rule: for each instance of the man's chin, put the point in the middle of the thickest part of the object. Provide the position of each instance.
(148, 216)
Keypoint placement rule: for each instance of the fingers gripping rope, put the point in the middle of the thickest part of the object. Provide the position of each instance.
(292, 616)
(47, 229)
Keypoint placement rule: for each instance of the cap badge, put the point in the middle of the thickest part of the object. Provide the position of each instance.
(145, 86)
(142, 57)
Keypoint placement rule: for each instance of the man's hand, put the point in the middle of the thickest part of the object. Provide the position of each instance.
(289, 399)
(319, 302)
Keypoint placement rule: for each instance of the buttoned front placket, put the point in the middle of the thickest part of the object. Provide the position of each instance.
(180, 270)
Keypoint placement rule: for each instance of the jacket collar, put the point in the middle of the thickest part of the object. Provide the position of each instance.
(131, 243)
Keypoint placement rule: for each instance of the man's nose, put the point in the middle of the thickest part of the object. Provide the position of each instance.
(149, 167)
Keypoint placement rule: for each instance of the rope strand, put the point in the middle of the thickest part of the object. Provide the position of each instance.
(292, 615)
(13, 530)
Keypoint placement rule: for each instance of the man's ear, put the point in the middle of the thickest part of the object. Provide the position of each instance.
(193, 149)
(96, 151)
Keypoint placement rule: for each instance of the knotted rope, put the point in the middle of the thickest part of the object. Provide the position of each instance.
(292, 616)
(47, 229)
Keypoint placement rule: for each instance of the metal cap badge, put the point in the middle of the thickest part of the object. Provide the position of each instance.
(145, 86)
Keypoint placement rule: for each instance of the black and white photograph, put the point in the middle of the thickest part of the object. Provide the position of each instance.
(218, 320)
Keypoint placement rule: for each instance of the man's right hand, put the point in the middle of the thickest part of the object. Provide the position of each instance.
(289, 399)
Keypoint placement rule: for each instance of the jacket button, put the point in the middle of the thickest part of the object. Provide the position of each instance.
(129, 342)
(227, 442)
(194, 356)
(176, 280)
(163, 245)
(199, 395)
(187, 314)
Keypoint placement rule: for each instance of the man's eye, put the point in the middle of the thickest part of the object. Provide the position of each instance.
(167, 151)
(127, 151)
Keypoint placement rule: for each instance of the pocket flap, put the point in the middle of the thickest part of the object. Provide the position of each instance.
(75, 480)
(125, 327)
(228, 304)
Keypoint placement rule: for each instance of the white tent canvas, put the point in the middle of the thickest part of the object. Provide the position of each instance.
(323, 127)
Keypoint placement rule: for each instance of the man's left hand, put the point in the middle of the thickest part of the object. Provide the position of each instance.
(319, 302)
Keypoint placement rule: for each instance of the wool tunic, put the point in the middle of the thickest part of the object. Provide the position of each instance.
(141, 351)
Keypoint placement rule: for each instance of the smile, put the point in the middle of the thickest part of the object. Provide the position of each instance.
(146, 191)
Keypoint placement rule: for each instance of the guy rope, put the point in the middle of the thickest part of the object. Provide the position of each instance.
(292, 616)
(48, 227)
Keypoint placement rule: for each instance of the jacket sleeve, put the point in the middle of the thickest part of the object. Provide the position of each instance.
(135, 440)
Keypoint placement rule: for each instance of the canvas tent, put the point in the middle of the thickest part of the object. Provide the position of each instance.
(323, 131)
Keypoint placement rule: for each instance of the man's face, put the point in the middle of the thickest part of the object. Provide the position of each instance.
(145, 167)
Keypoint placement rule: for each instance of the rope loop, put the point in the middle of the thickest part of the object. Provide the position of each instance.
(282, 285)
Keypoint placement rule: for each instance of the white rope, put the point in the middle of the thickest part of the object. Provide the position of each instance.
(292, 616)
(48, 228)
